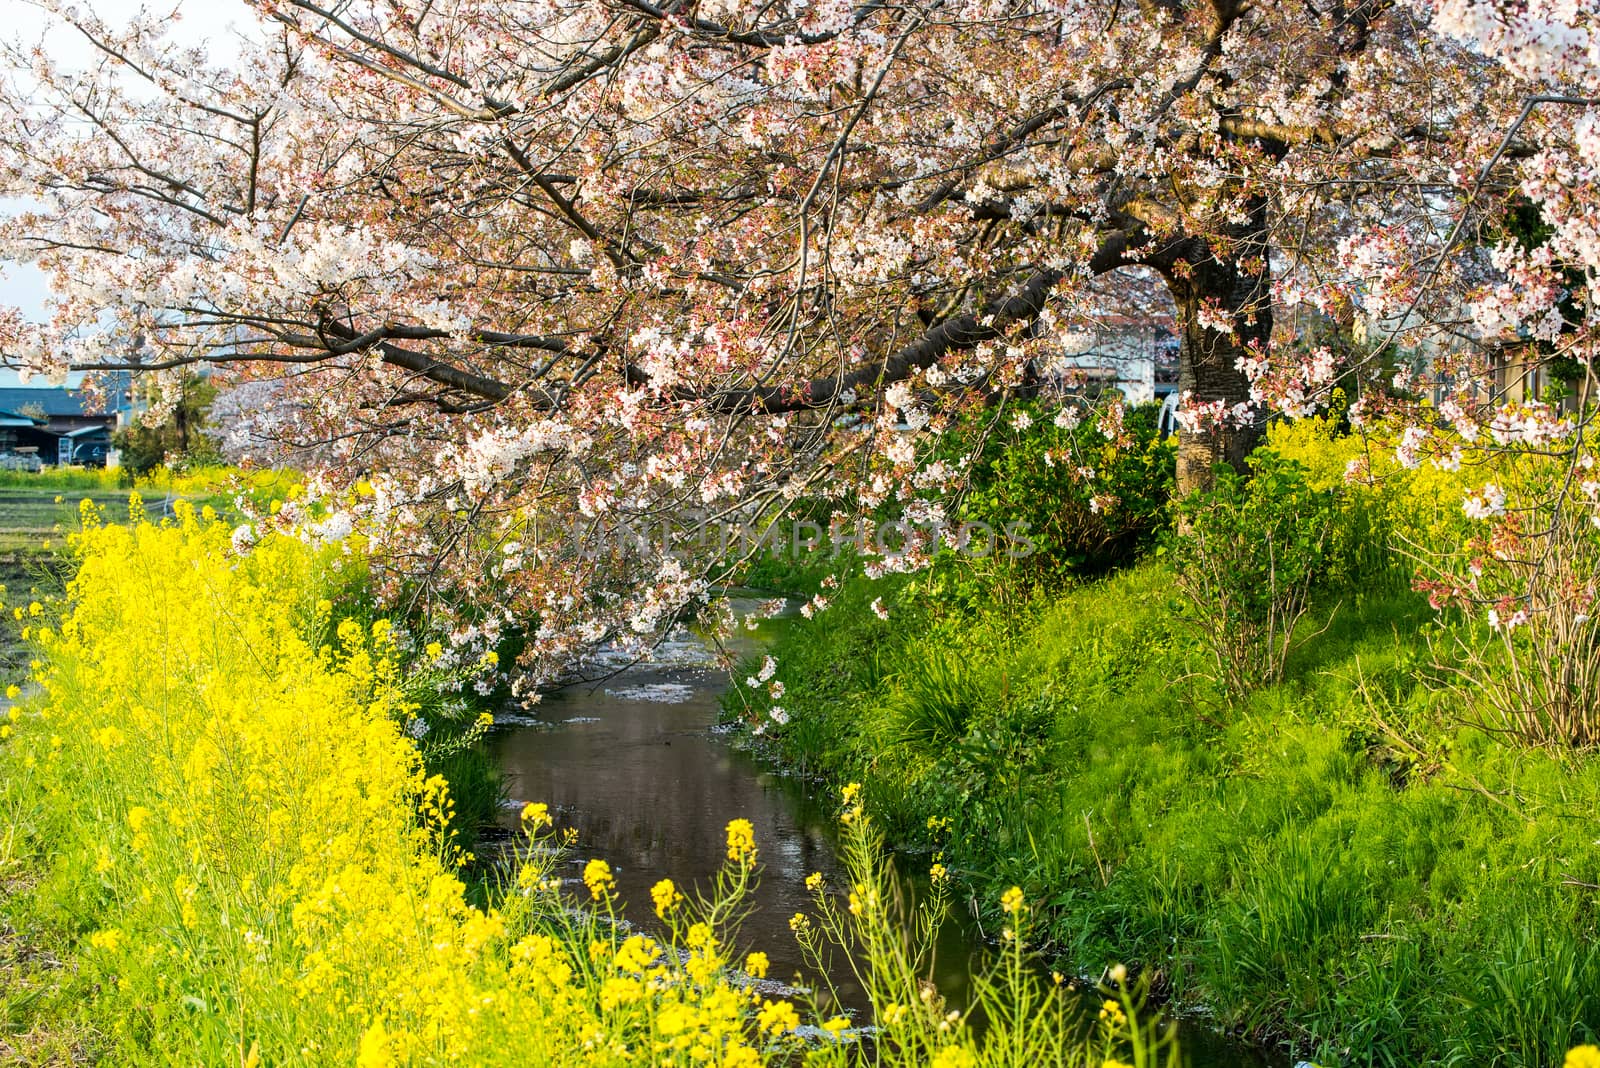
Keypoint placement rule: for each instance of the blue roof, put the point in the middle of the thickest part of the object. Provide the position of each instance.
(50, 401)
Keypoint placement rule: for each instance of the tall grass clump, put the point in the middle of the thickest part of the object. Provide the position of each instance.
(210, 810)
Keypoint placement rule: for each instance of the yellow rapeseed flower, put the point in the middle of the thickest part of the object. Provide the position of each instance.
(108, 939)
(374, 1049)
(665, 896)
(1011, 901)
(635, 954)
(1583, 1057)
(953, 1057)
(315, 808)
(777, 1017)
(741, 842)
(598, 878)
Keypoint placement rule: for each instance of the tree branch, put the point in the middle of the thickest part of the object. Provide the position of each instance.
(952, 335)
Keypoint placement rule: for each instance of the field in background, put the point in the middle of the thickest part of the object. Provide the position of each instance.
(32, 516)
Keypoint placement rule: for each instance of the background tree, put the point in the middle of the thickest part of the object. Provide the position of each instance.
(176, 432)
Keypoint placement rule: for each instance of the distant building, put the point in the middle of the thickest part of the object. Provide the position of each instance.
(1140, 359)
(1521, 374)
(59, 426)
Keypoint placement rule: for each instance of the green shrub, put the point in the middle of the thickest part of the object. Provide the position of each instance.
(1028, 480)
(1247, 554)
(179, 440)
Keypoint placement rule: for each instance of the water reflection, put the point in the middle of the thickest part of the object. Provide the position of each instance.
(650, 789)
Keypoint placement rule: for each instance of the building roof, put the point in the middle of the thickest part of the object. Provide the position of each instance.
(15, 419)
(53, 402)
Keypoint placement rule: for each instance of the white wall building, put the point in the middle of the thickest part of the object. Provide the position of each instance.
(1138, 358)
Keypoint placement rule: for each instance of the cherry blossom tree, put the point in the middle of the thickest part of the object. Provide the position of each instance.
(512, 262)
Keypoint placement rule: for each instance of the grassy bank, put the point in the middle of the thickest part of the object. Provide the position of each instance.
(219, 845)
(1336, 861)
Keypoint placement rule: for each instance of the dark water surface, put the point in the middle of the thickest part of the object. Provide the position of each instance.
(635, 765)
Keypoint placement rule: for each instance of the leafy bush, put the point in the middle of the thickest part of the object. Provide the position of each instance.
(1515, 580)
(179, 440)
(1248, 553)
(1406, 512)
(1088, 496)
(1526, 658)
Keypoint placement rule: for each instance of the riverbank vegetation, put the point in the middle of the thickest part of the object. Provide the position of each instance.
(566, 306)
(1253, 760)
(220, 843)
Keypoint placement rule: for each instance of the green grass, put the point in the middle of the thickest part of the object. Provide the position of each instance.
(1336, 861)
(62, 478)
(31, 512)
(40, 1022)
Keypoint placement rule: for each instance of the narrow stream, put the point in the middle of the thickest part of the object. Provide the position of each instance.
(636, 766)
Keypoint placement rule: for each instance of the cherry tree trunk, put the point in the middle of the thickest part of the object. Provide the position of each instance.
(1209, 291)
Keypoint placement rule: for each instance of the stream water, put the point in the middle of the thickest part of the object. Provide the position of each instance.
(636, 766)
